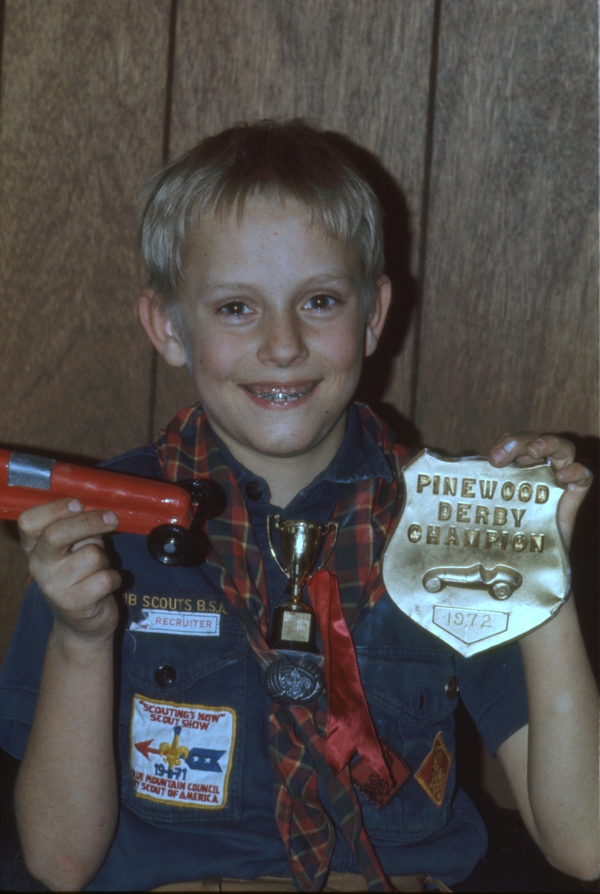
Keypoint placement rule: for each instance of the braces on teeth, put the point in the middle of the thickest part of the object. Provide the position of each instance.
(282, 395)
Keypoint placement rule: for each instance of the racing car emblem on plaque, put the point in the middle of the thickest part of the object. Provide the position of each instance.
(477, 558)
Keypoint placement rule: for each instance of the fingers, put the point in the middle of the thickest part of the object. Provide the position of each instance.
(68, 562)
(56, 528)
(58, 577)
(529, 448)
(80, 601)
(575, 477)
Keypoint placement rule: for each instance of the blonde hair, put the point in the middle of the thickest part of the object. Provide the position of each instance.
(221, 172)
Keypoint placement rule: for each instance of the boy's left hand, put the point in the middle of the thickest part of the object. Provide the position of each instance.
(528, 449)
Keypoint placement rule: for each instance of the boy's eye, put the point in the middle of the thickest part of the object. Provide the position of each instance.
(234, 309)
(321, 302)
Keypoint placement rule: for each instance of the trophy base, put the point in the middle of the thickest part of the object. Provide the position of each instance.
(294, 629)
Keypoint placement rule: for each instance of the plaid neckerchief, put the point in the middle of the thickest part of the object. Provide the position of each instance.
(366, 512)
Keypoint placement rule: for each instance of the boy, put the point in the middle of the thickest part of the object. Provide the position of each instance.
(265, 277)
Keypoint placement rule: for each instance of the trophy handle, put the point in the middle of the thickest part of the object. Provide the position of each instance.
(331, 526)
(277, 519)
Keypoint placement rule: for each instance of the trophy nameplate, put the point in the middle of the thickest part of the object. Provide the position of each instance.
(477, 558)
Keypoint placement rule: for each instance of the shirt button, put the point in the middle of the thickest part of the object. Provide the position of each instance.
(451, 688)
(253, 491)
(165, 675)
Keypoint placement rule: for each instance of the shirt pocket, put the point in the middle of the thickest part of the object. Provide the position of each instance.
(182, 724)
(407, 694)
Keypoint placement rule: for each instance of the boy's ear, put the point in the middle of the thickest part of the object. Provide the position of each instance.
(376, 320)
(159, 328)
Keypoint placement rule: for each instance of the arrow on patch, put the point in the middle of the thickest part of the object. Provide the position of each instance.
(203, 759)
(144, 748)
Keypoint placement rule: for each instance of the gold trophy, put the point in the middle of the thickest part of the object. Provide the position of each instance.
(294, 627)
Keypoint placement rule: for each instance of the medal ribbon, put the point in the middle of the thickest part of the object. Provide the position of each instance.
(349, 725)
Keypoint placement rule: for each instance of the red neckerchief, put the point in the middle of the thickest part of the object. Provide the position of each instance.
(306, 743)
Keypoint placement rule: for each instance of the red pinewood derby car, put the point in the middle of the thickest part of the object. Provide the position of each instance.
(162, 511)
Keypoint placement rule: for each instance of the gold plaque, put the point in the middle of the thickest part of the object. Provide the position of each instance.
(477, 558)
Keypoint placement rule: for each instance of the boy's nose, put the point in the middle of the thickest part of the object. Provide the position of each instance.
(282, 343)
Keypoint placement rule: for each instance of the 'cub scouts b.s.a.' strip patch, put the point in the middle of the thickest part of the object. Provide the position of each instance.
(433, 773)
(182, 755)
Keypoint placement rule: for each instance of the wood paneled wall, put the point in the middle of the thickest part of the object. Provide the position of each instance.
(476, 120)
(509, 327)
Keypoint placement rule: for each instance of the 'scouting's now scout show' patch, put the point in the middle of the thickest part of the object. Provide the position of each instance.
(182, 755)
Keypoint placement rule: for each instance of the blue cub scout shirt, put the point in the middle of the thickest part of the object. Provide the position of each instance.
(196, 782)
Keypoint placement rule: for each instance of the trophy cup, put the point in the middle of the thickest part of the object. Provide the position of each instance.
(297, 676)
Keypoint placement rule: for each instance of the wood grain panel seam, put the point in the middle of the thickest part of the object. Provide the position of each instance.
(169, 81)
(2, 13)
(165, 155)
(427, 169)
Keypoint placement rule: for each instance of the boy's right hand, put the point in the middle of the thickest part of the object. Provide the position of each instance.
(67, 561)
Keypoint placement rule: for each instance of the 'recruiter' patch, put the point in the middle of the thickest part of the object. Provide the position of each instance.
(182, 755)
(433, 773)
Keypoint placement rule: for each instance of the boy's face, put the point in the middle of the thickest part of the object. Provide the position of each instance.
(276, 328)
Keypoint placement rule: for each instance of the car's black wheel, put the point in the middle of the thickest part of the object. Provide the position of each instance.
(205, 496)
(170, 544)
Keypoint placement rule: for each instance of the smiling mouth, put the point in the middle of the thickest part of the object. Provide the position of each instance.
(279, 394)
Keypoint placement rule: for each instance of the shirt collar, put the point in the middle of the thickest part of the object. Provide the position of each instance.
(357, 459)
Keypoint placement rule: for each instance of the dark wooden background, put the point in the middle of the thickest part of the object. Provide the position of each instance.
(475, 120)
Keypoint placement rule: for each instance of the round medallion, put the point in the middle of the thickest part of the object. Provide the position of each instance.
(293, 684)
